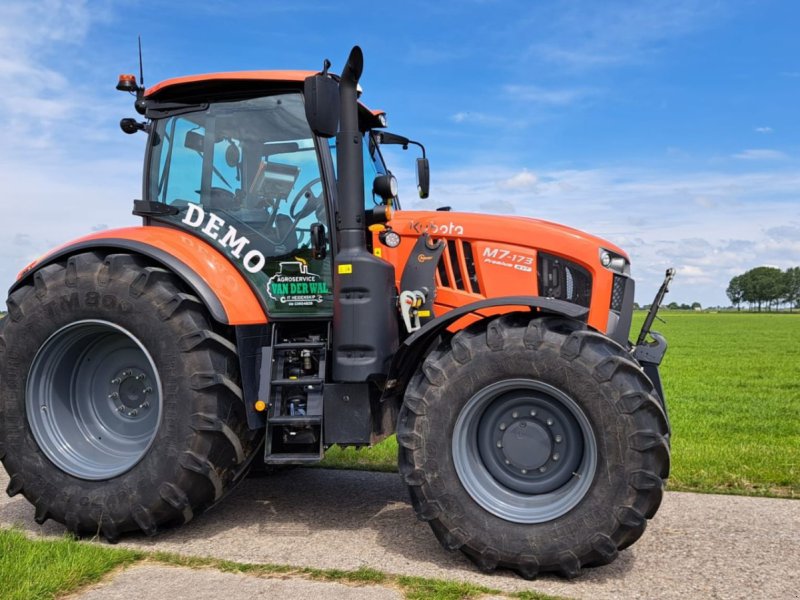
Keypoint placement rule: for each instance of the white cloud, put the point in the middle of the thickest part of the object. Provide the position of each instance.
(35, 95)
(548, 97)
(599, 34)
(477, 117)
(524, 180)
(763, 129)
(760, 154)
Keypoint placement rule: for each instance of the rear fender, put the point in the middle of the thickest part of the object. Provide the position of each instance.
(415, 347)
(228, 296)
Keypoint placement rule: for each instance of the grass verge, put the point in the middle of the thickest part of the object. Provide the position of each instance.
(40, 569)
(33, 569)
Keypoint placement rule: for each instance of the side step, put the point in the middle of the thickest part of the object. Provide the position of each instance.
(294, 365)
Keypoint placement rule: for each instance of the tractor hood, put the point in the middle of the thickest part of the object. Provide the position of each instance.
(519, 231)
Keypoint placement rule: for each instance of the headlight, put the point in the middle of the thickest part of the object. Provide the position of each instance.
(614, 262)
(389, 238)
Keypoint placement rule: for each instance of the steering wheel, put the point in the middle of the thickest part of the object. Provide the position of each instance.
(297, 212)
(310, 204)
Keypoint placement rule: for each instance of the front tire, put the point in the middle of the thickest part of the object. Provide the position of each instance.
(122, 409)
(535, 445)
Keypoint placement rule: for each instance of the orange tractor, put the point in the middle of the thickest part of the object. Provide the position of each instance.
(277, 301)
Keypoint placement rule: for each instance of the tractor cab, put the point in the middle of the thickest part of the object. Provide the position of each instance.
(244, 171)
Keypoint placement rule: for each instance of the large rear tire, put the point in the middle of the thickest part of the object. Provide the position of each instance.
(121, 404)
(535, 445)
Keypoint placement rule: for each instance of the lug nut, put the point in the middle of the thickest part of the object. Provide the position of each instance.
(533, 413)
(556, 456)
(116, 381)
(558, 438)
(499, 444)
(502, 426)
(542, 469)
(148, 389)
(508, 462)
(524, 471)
(113, 396)
(550, 422)
(515, 414)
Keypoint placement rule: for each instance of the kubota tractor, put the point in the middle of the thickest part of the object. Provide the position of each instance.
(277, 301)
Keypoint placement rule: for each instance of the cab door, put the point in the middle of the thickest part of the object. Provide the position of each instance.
(245, 176)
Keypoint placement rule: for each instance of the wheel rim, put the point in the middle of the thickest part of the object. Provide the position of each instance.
(93, 399)
(524, 451)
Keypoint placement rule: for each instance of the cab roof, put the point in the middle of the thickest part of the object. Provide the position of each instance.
(242, 80)
(292, 77)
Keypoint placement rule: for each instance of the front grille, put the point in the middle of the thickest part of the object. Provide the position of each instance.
(564, 280)
(456, 268)
(618, 293)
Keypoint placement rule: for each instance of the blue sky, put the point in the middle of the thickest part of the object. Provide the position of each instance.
(669, 127)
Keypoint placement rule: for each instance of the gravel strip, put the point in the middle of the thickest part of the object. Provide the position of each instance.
(699, 545)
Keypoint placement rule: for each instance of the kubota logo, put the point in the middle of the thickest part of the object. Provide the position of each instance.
(440, 228)
(423, 258)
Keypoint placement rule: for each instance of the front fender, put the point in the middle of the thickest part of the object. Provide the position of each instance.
(413, 349)
(228, 296)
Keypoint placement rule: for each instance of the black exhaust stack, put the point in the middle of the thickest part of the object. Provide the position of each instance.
(365, 331)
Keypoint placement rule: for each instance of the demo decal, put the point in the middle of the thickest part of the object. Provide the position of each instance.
(293, 285)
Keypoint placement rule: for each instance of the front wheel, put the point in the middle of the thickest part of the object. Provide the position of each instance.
(535, 445)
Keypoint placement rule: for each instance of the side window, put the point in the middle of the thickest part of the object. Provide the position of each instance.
(373, 166)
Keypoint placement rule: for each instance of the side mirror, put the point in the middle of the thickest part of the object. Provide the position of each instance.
(322, 103)
(319, 241)
(423, 177)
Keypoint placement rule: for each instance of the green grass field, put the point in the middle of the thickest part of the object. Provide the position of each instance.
(732, 382)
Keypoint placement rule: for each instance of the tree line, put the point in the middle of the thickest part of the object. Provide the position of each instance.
(766, 287)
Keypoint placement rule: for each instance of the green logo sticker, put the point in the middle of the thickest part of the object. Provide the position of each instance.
(293, 285)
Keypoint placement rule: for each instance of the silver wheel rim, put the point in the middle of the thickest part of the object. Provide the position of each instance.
(93, 399)
(524, 451)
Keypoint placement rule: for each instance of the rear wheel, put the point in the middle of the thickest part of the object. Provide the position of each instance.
(122, 406)
(535, 445)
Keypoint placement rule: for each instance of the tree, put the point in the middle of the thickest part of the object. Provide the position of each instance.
(792, 281)
(763, 286)
(735, 291)
(697, 306)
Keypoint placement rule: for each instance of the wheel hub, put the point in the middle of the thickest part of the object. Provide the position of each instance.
(129, 390)
(526, 445)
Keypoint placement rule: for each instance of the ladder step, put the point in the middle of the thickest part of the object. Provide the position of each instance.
(296, 420)
(299, 381)
(298, 345)
(292, 459)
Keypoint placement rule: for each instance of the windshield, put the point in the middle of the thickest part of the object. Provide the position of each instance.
(242, 154)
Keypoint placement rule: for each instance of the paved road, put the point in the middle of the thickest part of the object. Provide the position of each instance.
(698, 546)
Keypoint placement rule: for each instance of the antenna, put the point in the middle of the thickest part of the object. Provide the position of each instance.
(140, 105)
(141, 67)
